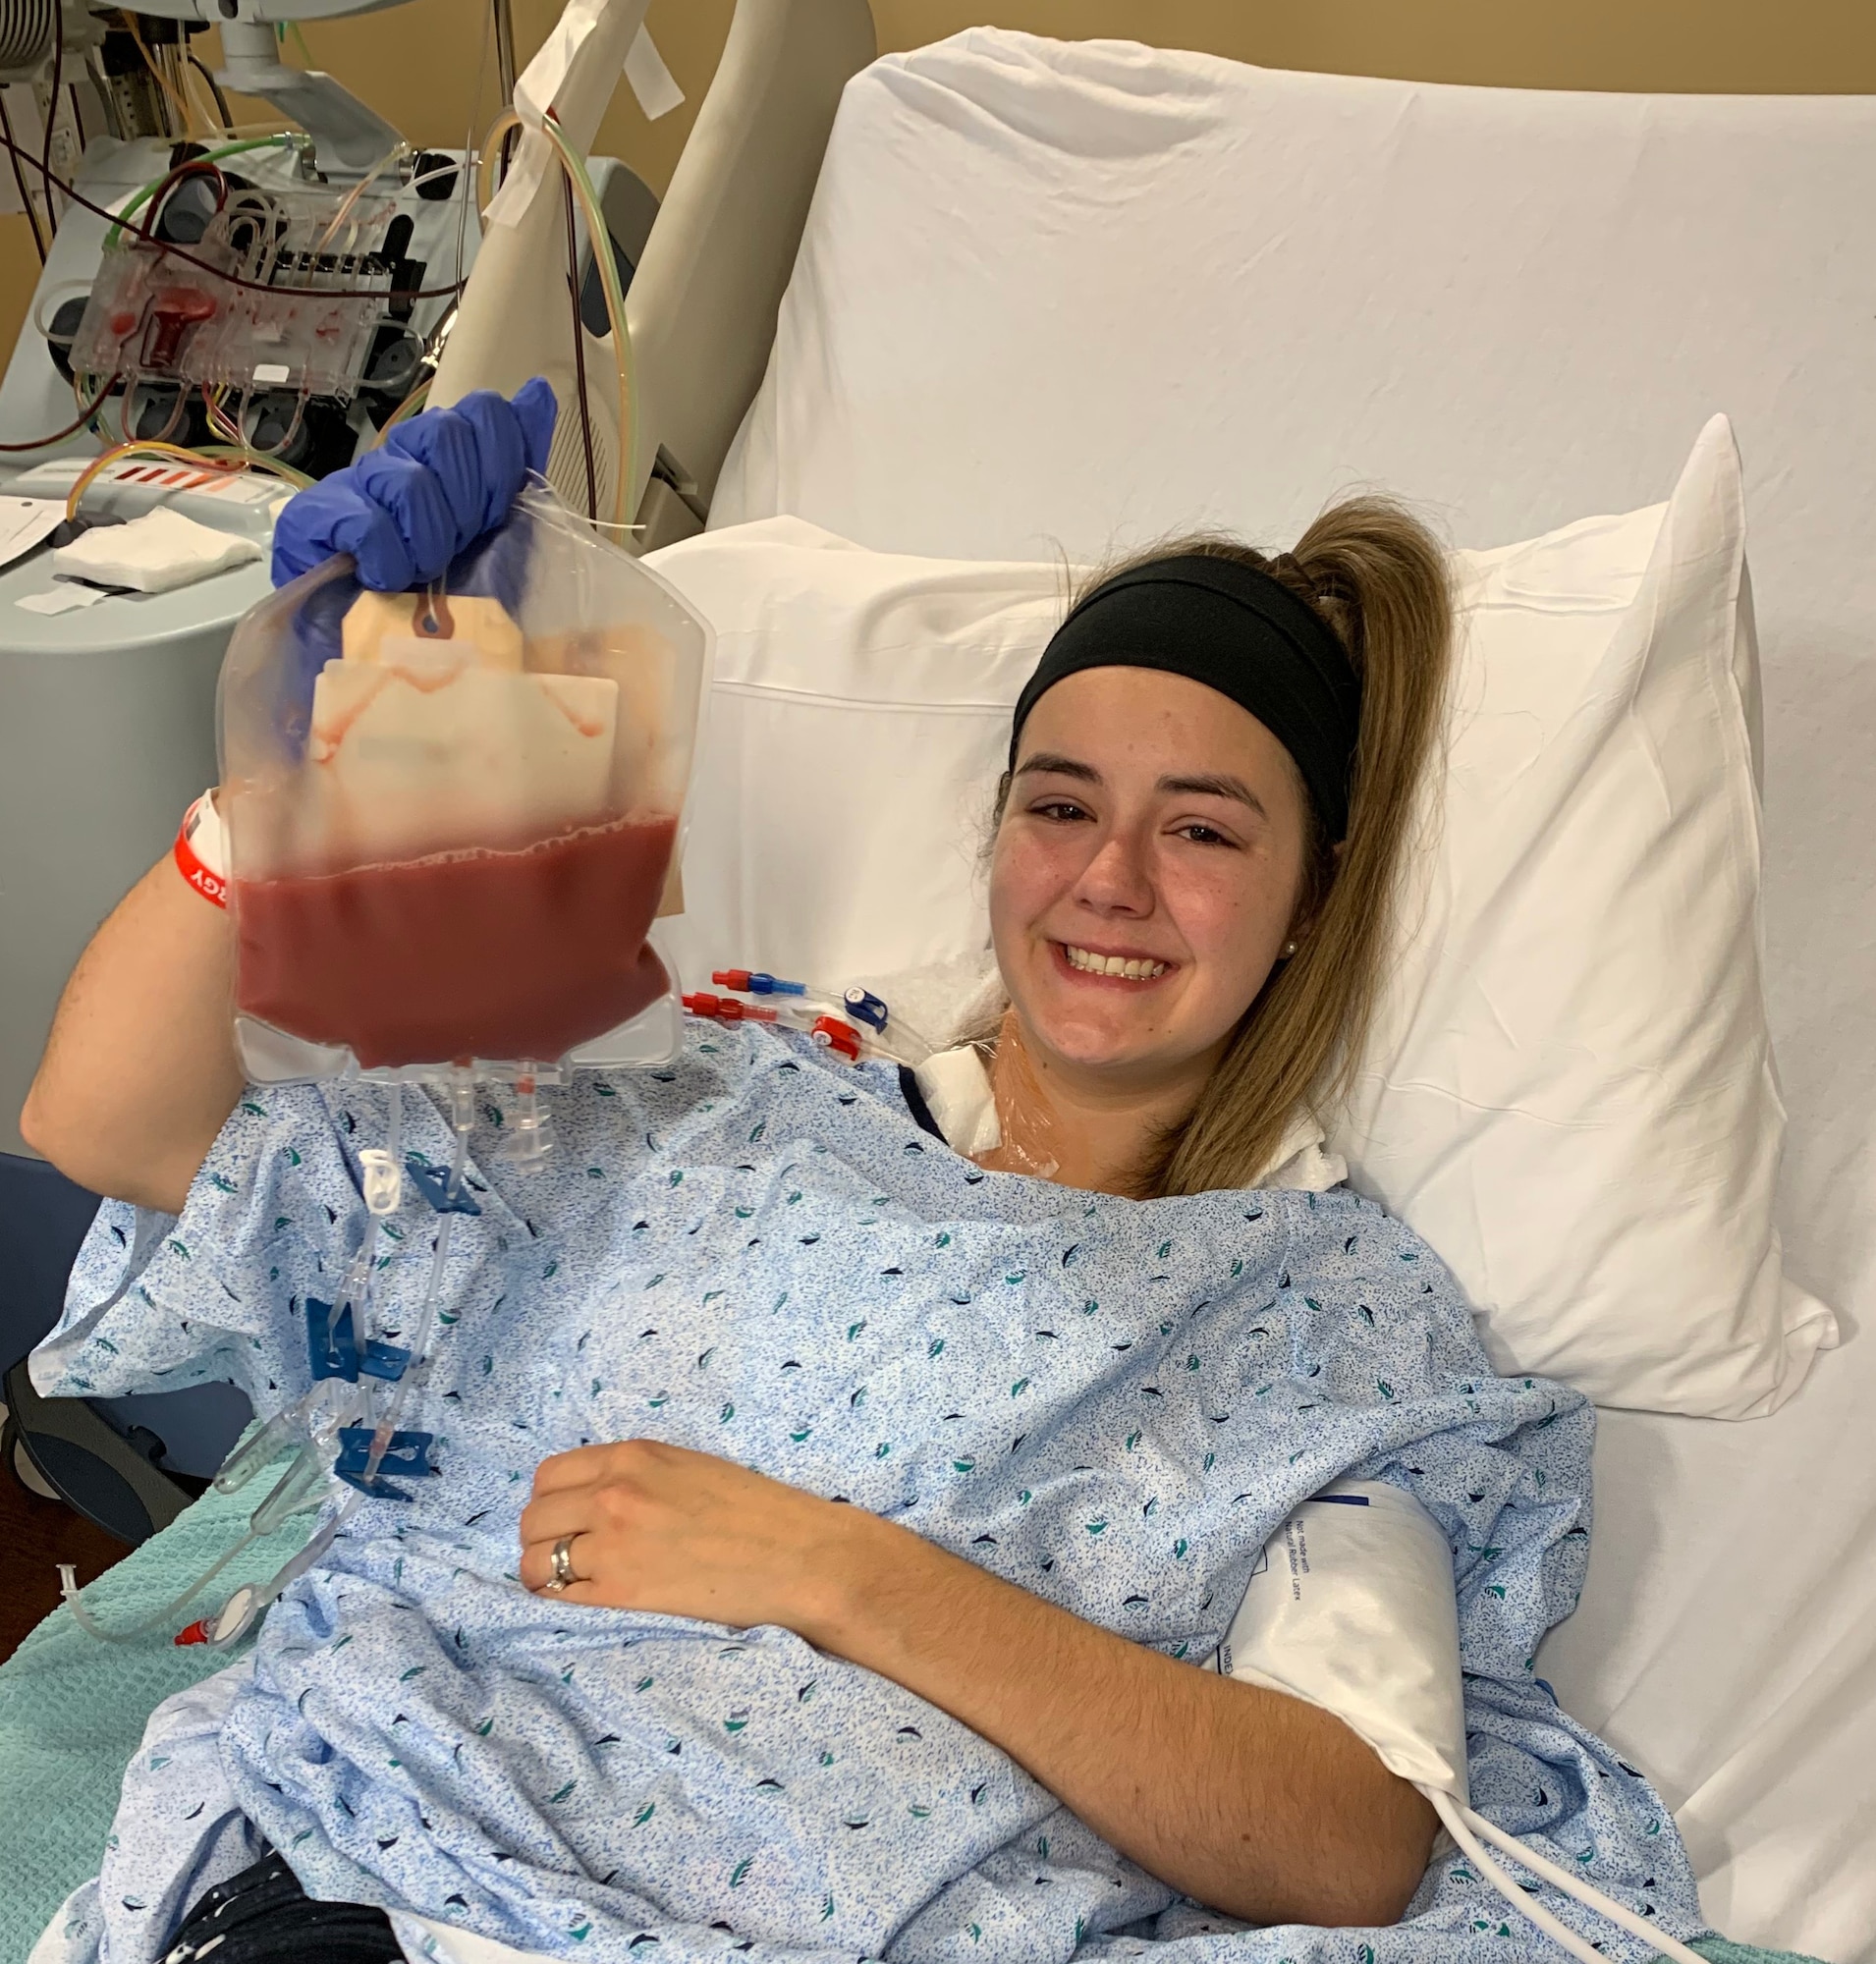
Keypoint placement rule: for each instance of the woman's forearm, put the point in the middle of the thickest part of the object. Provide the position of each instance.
(1254, 1803)
(139, 1071)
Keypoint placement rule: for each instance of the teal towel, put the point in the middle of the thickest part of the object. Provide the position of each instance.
(72, 1710)
(1723, 1952)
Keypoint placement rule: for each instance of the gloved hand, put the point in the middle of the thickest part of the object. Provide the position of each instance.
(437, 483)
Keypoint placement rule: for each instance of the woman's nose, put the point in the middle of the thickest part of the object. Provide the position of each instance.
(1116, 878)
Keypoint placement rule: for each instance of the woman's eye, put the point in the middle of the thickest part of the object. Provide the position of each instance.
(1059, 811)
(1204, 834)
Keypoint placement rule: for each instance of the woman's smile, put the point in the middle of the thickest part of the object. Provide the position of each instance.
(1108, 967)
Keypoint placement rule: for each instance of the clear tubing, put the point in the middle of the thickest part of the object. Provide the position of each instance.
(315, 1420)
(294, 1488)
(532, 1139)
(1460, 1821)
(290, 1572)
(168, 1614)
(303, 1419)
(318, 1414)
(56, 297)
(176, 409)
(426, 1318)
(272, 453)
(909, 1055)
(357, 1279)
(596, 230)
(357, 191)
(247, 1602)
(260, 1450)
(283, 138)
(299, 1486)
(461, 1119)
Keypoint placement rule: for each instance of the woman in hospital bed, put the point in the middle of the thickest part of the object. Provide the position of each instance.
(829, 1524)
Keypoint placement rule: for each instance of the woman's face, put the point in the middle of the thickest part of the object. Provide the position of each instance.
(1146, 873)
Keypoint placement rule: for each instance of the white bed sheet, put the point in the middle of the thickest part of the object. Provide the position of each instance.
(1087, 293)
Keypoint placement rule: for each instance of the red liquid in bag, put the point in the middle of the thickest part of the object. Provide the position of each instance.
(478, 954)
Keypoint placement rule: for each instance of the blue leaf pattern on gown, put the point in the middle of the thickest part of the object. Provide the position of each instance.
(757, 1253)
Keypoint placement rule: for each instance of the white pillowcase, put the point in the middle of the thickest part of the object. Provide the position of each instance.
(1569, 1089)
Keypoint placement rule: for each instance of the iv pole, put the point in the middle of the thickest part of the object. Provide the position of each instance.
(505, 48)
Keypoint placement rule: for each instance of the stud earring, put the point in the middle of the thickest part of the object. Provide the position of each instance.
(1290, 948)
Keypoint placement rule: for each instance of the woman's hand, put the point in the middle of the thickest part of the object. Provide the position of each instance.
(437, 483)
(1264, 1807)
(685, 1534)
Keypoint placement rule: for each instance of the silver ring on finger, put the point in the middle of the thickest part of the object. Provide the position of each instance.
(562, 1562)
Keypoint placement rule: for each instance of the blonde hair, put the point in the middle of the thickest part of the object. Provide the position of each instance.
(1378, 578)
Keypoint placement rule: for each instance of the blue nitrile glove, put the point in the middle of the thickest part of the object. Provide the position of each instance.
(406, 509)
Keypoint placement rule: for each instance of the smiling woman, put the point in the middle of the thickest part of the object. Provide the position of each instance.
(833, 1502)
(1211, 787)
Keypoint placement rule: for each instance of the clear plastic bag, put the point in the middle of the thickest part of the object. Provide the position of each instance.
(452, 814)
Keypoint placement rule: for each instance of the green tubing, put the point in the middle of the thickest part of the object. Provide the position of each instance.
(207, 157)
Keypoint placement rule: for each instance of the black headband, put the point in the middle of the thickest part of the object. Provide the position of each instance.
(1237, 631)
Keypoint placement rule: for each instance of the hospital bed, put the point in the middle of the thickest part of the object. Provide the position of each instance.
(1014, 325)
(1514, 308)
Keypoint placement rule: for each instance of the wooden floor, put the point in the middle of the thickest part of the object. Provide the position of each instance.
(35, 1536)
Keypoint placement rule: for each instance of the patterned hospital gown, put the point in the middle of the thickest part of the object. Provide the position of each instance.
(758, 1252)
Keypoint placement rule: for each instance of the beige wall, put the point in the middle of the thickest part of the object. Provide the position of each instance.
(428, 66)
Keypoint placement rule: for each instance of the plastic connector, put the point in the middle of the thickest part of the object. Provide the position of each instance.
(866, 1008)
(726, 1009)
(383, 1182)
(409, 1453)
(433, 1183)
(755, 982)
(378, 1487)
(833, 1034)
(387, 1361)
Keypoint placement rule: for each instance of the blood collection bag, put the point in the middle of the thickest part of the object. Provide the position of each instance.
(452, 814)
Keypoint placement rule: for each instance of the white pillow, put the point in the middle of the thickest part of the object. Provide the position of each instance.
(1569, 1089)
(858, 720)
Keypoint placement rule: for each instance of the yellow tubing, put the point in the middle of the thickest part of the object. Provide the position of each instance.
(211, 456)
(589, 200)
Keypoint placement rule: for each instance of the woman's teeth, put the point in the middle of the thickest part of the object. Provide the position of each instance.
(1132, 968)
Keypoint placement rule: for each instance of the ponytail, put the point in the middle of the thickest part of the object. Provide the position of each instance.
(1378, 578)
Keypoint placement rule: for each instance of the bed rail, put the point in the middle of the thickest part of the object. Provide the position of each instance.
(703, 304)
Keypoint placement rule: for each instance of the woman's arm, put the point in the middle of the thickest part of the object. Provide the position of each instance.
(139, 1071)
(1255, 1803)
